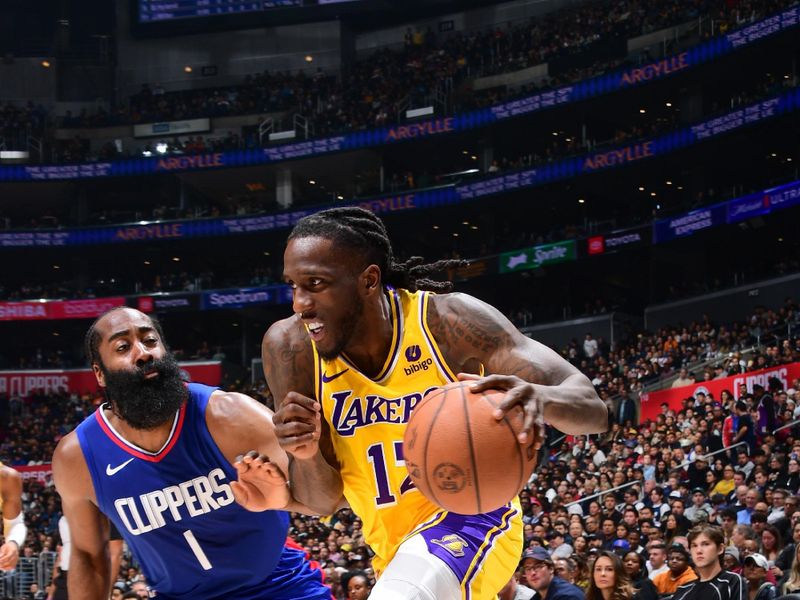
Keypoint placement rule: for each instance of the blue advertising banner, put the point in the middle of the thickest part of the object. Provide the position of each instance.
(689, 223)
(783, 196)
(589, 88)
(241, 297)
(429, 198)
(746, 207)
(731, 211)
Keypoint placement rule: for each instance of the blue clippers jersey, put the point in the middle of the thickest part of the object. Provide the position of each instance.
(175, 509)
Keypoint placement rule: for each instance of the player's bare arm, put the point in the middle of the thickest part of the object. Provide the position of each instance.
(13, 534)
(89, 564)
(300, 429)
(244, 432)
(471, 332)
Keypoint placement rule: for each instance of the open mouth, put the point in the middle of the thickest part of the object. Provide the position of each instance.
(315, 330)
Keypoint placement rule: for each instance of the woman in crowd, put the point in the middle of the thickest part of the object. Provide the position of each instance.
(546, 523)
(580, 545)
(356, 584)
(777, 470)
(609, 580)
(725, 485)
(771, 543)
(791, 480)
(711, 482)
(622, 531)
(790, 584)
(636, 569)
(672, 528)
(581, 571)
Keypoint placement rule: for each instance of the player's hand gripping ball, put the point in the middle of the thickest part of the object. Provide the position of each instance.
(460, 456)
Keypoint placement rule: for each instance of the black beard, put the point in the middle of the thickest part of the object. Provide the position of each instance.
(347, 329)
(146, 403)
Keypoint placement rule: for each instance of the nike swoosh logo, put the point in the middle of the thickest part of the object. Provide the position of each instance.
(327, 379)
(110, 471)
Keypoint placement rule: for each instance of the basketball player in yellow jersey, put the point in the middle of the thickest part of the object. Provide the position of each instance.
(346, 371)
(14, 530)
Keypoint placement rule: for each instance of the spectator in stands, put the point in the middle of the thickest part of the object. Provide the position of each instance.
(683, 378)
(659, 508)
(744, 464)
(755, 571)
(730, 560)
(140, 589)
(699, 504)
(771, 543)
(657, 563)
(540, 575)
(513, 590)
(679, 571)
(357, 585)
(750, 499)
(590, 347)
(726, 484)
(626, 413)
(635, 568)
(609, 579)
(745, 429)
(790, 584)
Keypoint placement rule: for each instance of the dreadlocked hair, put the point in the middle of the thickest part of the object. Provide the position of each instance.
(365, 233)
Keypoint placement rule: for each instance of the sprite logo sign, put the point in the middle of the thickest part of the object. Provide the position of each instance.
(537, 256)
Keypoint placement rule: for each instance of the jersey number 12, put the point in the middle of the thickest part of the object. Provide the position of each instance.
(375, 456)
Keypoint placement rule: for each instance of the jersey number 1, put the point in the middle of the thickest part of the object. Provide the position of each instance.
(198, 551)
(376, 457)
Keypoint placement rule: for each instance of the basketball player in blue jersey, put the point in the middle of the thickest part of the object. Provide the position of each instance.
(367, 341)
(157, 460)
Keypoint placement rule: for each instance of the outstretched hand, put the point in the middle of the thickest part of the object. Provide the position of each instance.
(9, 555)
(518, 393)
(261, 484)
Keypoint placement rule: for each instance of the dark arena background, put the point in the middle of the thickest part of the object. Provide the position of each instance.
(622, 177)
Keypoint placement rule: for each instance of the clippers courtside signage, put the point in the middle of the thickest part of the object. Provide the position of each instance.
(652, 401)
(82, 381)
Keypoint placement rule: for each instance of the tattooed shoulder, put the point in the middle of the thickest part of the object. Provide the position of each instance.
(466, 328)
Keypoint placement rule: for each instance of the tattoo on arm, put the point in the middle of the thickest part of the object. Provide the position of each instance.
(461, 330)
(288, 364)
(465, 329)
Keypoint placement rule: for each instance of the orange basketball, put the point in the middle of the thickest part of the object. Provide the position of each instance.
(461, 457)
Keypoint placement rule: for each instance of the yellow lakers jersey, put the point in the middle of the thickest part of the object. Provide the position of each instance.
(367, 419)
